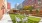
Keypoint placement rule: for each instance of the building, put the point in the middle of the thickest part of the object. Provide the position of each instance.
(30, 2)
(25, 2)
(1, 3)
(5, 5)
(1, 6)
(8, 5)
(35, 3)
(20, 6)
(16, 6)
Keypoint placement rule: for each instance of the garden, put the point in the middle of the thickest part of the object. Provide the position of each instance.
(16, 18)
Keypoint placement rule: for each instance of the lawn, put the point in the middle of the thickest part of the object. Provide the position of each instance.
(33, 20)
(30, 19)
(17, 15)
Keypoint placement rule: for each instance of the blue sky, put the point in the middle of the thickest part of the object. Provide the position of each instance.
(13, 2)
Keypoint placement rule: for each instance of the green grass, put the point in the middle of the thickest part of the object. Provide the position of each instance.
(30, 19)
(33, 20)
(17, 15)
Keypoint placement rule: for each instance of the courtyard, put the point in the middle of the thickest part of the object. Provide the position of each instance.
(29, 19)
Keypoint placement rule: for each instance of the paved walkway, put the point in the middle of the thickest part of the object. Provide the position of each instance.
(40, 20)
(6, 19)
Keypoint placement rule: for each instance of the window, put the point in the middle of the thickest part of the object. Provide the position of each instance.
(39, 0)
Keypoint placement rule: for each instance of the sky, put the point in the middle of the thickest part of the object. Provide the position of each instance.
(13, 2)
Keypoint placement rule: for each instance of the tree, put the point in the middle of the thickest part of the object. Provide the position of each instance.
(37, 11)
(27, 8)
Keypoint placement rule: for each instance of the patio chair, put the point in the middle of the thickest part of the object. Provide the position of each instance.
(17, 19)
(24, 20)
